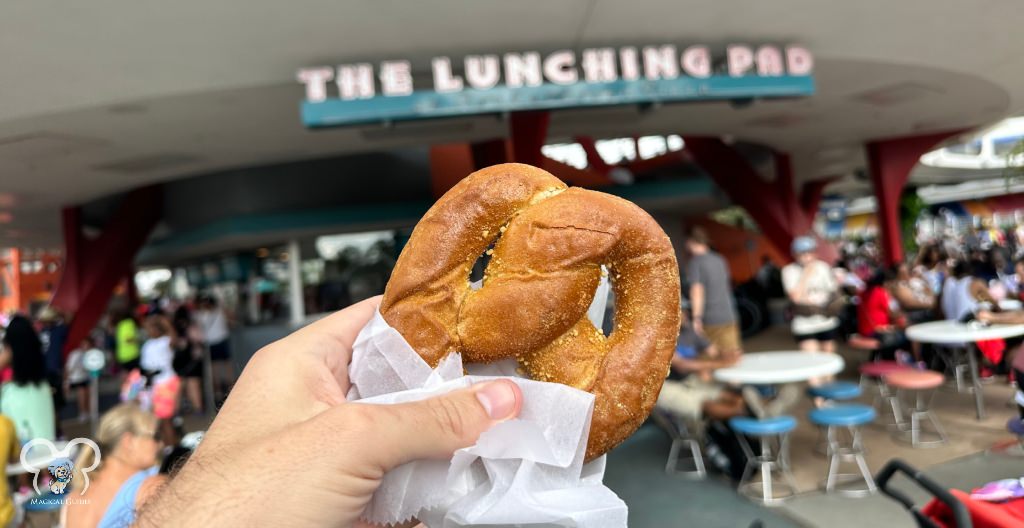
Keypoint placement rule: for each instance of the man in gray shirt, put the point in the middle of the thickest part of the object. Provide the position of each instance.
(711, 302)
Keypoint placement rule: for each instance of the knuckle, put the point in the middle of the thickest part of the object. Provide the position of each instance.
(452, 418)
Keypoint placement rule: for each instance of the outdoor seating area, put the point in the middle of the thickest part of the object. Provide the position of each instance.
(977, 452)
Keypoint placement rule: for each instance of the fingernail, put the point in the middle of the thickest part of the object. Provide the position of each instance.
(498, 398)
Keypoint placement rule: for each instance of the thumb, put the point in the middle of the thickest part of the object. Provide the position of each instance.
(436, 427)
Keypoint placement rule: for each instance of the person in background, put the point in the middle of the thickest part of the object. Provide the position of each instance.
(965, 291)
(878, 314)
(912, 294)
(811, 286)
(935, 263)
(53, 334)
(157, 364)
(711, 302)
(1016, 362)
(28, 398)
(127, 475)
(10, 453)
(126, 341)
(188, 356)
(689, 392)
(77, 377)
(213, 321)
(1018, 281)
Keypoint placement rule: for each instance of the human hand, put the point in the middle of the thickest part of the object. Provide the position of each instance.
(698, 326)
(288, 450)
(984, 316)
(728, 360)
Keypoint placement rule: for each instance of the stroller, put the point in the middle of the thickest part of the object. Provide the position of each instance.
(949, 508)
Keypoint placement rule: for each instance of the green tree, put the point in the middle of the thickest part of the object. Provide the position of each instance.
(911, 206)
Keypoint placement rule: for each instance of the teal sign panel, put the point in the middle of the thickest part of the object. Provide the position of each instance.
(432, 105)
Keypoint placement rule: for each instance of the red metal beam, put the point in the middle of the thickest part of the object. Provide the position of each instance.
(529, 131)
(109, 258)
(773, 205)
(890, 162)
(594, 160)
(810, 195)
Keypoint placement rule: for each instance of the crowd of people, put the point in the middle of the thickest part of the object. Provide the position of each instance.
(157, 352)
(978, 275)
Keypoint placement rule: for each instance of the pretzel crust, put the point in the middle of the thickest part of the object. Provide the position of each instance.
(544, 268)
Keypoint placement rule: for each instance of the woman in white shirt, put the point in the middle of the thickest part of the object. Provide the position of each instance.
(76, 377)
(811, 285)
(157, 363)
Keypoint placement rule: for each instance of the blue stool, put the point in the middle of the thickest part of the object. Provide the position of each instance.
(849, 417)
(835, 391)
(766, 430)
(832, 392)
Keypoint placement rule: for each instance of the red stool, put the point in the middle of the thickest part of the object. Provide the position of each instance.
(921, 384)
(886, 401)
(863, 343)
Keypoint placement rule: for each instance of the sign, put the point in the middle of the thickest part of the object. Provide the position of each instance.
(94, 360)
(366, 93)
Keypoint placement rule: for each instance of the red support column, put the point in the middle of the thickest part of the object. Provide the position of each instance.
(890, 162)
(810, 195)
(594, 160)
(529, 131)
(491, 152)
(92, 268)
(773, 205)
(65, 296)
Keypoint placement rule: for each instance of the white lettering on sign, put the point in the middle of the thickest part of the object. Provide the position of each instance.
(740, 59)
(396, 78)
(630, 64)
(315, 80)
(799, 61)
(522, 69)
(660, 63)
(769, 62)
(482, 71)
(559, 67)
(599, 65)
(562, 67)
(444, 81)
(355, 81)
(696, 61)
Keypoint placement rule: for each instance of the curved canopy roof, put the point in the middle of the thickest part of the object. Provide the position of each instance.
(104, 96)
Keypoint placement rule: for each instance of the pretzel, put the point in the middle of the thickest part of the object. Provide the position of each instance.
(540, 281)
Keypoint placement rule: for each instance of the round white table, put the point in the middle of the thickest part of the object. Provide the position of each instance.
(773, 368)
(957, 334)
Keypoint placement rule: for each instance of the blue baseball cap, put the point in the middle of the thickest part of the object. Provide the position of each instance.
(804, 244)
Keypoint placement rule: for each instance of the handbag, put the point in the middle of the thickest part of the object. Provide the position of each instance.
(832, 308)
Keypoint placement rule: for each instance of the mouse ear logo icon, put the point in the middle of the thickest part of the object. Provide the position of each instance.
(39, 454)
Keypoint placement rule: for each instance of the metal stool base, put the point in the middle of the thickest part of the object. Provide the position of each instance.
(913, 432)
(769, 490)
(838, 452)
(672, 467)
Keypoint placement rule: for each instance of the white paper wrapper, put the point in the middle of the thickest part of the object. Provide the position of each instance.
(523, 472)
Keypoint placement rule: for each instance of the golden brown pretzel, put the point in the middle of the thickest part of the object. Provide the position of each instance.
(537, 287)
